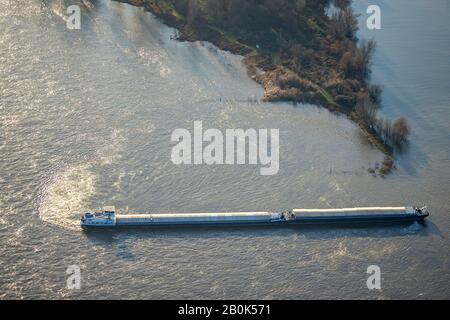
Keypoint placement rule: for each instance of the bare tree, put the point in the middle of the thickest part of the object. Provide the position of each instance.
(366, 51)
(346, 22)
(367, 110)
(400, 131)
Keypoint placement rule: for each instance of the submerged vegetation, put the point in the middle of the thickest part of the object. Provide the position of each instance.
(307, 50)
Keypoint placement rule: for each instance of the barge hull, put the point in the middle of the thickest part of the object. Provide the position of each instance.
(108, 219)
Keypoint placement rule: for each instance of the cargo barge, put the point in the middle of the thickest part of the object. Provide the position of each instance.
(108, 218)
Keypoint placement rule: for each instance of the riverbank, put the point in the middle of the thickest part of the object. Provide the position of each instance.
(306, 55)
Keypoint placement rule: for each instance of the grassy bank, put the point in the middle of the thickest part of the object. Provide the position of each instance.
(306, 55)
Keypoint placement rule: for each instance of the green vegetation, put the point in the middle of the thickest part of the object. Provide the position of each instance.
(306, 55)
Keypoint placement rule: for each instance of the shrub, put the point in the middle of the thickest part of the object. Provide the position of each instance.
(400, 131)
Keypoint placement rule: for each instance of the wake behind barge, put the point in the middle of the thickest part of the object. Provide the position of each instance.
(107, 218)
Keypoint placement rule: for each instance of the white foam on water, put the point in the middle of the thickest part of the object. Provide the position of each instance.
(67, 197)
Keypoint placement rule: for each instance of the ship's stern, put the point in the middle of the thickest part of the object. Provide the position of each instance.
(100, 219)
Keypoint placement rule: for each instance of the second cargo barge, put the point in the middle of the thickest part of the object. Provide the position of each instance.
(107, 218)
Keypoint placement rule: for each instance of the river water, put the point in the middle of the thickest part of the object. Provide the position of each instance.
(85, 121)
